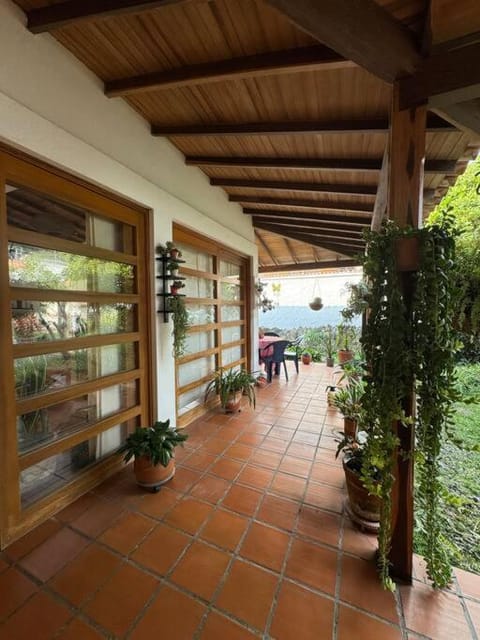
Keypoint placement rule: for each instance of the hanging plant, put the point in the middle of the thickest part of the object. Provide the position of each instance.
(181, 322)
(408, 348)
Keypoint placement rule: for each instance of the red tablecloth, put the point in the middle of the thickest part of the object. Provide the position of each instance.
(264, 344)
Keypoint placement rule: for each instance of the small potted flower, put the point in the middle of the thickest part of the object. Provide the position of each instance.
(176, 286)
(153, 449)
(306, 357)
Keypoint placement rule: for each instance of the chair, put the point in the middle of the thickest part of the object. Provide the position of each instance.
(271, 333)
(276, 357)
(294, 351)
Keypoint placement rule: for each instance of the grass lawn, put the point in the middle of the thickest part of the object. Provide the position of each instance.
(461, 476)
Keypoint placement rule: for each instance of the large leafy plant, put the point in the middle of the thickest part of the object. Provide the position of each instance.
(227, 384)
(157, 443)
(409, 344)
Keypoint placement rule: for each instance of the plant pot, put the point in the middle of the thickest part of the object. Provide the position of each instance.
(363, 508)
(306, 359)
(330, 362)
(174, 254)
(344, 355)
(331, 395)
(151, 476)
(233, 403)
(174, 273)
(261, 382)
(349, 427)
(407, 253)
(174, 291)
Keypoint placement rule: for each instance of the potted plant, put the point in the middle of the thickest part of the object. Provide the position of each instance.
(344, 337)
(172, 266)
(329, 341)
(363, 507)
(348, 400)
(230, 385)
(181, 323)
(306, 357)
(169, 249)
(261, 380)
(153, 449)
(176, 286)
(331, 390)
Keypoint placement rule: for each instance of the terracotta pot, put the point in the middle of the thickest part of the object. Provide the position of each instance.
(349, 427)
(173, 290)
(152, 476)
(233, 403)
(329, 362)
(174, 253)
(344, 355)
(261, 382)
(364, 508)
(306, 359)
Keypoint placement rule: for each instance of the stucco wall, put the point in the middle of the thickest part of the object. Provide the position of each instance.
(53, 107)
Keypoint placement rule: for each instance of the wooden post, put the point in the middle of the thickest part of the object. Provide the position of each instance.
(407, 153)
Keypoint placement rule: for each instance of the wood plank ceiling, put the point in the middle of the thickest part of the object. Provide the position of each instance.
(287, 127)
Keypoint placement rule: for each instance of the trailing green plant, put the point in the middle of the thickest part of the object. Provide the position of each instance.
(181, 323)
(227, 384)
(157, 442)
(408, 348)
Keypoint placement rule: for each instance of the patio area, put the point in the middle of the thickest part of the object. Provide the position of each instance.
(249, 540)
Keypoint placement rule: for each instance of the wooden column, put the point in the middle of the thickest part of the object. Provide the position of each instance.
(407, 153)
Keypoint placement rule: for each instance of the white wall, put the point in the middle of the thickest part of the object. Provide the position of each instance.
(53, 107)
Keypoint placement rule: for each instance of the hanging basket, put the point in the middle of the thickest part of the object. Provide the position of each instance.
(316, 304)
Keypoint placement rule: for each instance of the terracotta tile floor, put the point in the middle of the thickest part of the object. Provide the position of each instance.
(249, 540)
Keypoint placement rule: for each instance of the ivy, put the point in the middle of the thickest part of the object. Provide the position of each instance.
(409, 344)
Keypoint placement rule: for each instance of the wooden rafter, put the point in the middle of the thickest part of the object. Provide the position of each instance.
(342, 230)
(295, 202)
(447, 78)
(291, 250)
(262, 64)
(282, 185)
(308, 127)
(465, 115)
(315, 238)
(334, 164)
(277, 214)
(361, 31)
(62, 14)
(265, 247)
(309, 266)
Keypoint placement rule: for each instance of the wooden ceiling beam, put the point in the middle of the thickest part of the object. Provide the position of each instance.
(291, 251)
(278, 214)
(62, 14)
(263, 64)
(354, 232)
(281, 185)
(305, 236)
(465, 115)
(317, 241)
(294, 202)
(310, 266)
(436, 124)
(361, 31)
(446, 78)
(265, 247)
(329, 164)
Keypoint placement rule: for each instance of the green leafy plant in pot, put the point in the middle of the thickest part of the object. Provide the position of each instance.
(230, 385)
(153, 449)
(329, 339)
(345, 333)
(306, 357)
(348, 400)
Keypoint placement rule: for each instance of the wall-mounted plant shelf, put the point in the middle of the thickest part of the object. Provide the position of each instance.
(167, 279)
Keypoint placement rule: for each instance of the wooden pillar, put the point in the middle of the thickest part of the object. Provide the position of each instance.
(407, 154)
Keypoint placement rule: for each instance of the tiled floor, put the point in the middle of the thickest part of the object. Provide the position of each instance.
(249, 540)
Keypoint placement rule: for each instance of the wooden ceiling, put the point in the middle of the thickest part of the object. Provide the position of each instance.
(289, 128)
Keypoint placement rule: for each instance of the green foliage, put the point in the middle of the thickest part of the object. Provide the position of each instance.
(31, 379)
(227, 383)
(157, 443)
(463, 200)
(348, 399)
(403, 346)
(181, 322)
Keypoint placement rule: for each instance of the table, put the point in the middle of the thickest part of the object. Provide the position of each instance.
(264, 350)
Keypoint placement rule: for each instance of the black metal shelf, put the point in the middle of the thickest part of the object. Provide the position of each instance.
(166, 277)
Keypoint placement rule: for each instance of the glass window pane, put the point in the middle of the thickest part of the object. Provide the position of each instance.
(201, 314)
(38, 321)
(55, 472)
(232, 355)
(34, 211)
(231, 291)
(191, 399)
(195, 370)
(53, 371)
(198, 288)
(230, 313)
(195, 259)
(232, 334)
(40, 427)
(48, 269)
(199, 341)
(230, 269)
